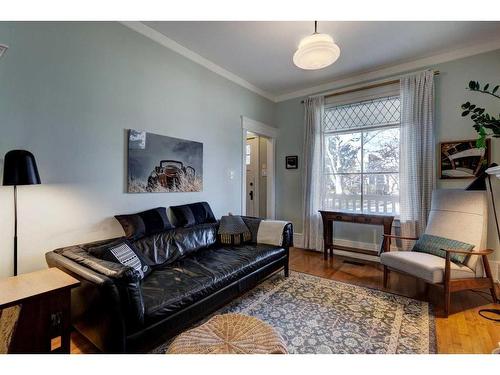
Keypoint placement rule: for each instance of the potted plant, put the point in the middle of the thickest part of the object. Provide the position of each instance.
(485, 124)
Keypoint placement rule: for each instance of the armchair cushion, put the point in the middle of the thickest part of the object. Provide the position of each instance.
(430, 244)
(424, 266)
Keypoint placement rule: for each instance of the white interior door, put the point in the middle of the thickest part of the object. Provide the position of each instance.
(252, 176)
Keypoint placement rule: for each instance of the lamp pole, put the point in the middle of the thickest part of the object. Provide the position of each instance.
(15, 230)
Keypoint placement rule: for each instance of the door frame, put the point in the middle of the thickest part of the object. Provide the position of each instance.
(270, 133)
(257, 172)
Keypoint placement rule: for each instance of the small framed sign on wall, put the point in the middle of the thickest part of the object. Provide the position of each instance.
(292, 162)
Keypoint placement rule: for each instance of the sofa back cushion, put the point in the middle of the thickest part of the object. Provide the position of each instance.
(191, 214)
(190, 240)
(169, 246)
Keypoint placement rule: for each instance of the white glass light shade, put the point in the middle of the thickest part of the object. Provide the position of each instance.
(316, 51)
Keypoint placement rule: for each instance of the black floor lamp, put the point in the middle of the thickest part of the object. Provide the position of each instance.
(19, 168)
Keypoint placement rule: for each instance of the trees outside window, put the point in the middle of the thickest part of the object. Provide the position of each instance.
(361, 157)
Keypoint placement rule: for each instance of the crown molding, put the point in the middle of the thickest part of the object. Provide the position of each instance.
(393, 70)
(351, 80)
(193, 56)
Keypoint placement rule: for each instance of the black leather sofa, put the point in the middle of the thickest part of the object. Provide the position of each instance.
(193, 275)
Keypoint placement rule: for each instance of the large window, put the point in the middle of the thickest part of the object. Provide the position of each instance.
(361, 156)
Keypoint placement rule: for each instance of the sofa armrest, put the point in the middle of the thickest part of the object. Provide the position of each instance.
(460, 251)
(288, 236)
(110, 295)
(112, 270)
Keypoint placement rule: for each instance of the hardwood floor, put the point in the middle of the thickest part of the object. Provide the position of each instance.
(464, 331)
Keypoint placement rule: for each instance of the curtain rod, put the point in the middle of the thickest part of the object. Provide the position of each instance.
(372, 86)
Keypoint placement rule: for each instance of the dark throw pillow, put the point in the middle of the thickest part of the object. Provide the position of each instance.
(123, 252)
(188, 215)
(253, 225)
(132, 225)
(433, 244)
(145, 223)
(233, 230)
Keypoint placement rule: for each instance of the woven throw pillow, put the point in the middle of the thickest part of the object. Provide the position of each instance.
(122, 251)
(233, 230)
(433, 244)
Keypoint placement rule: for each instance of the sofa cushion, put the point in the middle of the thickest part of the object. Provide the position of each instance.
(170, 246)
(169, 289)
(424, 266)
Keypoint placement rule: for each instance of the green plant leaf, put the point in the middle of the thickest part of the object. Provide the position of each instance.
(495, 89)
(472, 107)
(486, 87)
(465, 105)
(465, 113)
(472, 85)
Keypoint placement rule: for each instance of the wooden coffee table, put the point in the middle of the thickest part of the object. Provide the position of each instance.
(229, 334)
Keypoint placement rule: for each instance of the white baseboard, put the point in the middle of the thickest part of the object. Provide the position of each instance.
(495, 270)
(298, 241)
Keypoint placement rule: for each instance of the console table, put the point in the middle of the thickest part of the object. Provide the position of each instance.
(45, 317)
(329, 217)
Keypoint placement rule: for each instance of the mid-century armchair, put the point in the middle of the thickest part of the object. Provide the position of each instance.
(458, 215)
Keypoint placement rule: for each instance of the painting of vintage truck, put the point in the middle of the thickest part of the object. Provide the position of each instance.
(158, 163)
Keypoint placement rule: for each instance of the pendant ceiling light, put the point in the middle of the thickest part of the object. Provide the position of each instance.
(316, 51)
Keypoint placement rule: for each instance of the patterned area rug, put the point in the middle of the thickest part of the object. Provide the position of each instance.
(317, 315)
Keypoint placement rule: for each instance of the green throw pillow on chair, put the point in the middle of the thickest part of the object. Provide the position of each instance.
(433, 244)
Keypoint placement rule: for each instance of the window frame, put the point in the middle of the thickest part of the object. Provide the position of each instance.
(359, 99)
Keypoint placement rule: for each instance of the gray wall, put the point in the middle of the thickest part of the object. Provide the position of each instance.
(68, 91)
(450, 94)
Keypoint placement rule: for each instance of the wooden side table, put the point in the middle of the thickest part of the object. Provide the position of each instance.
(45, 297)
(329, 217)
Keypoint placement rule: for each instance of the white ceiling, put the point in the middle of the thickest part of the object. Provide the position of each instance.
(261, 52)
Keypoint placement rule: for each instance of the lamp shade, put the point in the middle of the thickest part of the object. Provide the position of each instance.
(20, 168)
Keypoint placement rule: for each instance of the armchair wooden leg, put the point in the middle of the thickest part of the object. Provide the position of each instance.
(447, 274)
(487, 271)
(426, 290)
(386, 276)
(447, 299)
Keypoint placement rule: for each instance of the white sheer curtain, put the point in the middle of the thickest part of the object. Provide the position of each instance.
(313, 176)
(417, 166)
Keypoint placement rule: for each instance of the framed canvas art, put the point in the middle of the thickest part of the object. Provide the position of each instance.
(158, 163)
(462, 159)
(292, 162)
